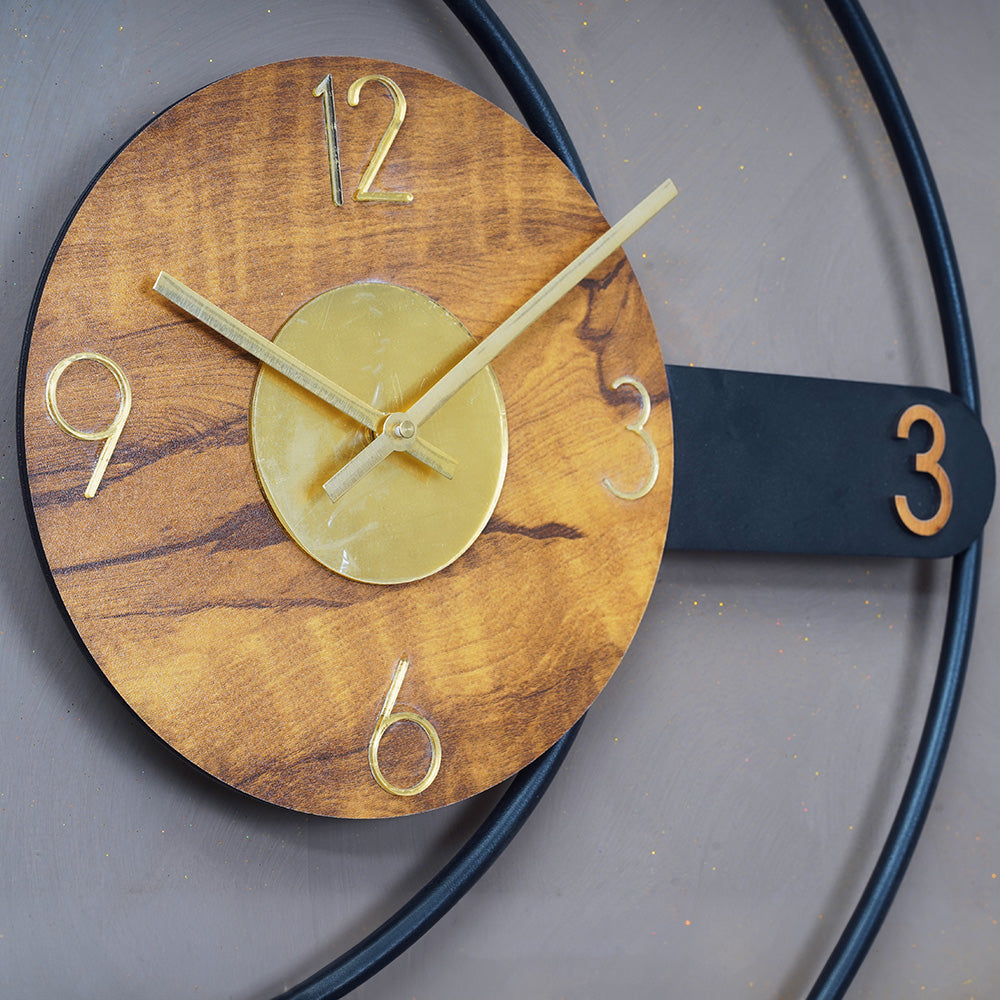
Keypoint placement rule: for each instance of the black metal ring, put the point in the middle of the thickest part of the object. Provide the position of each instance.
(479, 852)
(439, 895)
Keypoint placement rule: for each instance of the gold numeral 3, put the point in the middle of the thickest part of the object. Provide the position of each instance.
(638, 427)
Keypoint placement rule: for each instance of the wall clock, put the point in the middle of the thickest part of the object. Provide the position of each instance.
(738, 727)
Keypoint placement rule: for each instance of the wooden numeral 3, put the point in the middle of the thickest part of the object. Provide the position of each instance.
(929, 463)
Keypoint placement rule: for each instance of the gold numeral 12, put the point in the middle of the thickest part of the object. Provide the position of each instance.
(364, 192)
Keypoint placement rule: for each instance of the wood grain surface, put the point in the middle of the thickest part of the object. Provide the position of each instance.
(255, 662)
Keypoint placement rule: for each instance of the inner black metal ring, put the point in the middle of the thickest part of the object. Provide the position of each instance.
(444, 890)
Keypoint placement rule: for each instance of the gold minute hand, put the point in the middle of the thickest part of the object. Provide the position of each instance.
(399, 430)
(288, 365)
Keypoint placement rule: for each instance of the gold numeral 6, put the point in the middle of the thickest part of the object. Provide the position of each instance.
(389, 718)
(928, 462)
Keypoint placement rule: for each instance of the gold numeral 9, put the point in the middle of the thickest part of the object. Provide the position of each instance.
(111, 433)
(386, 718)
(929, 463)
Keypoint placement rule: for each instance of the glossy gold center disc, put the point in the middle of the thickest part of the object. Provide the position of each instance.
(403, 521)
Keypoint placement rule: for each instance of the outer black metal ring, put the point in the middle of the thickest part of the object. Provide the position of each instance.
(435, 899)
(942, 711)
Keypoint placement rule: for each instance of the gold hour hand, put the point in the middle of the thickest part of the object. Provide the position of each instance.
(301, 374)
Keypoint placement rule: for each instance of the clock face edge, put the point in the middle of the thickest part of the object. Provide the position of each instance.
(130, 561)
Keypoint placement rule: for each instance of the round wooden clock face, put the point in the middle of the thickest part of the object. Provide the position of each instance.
(431, 631)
